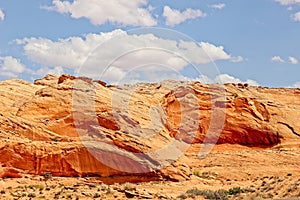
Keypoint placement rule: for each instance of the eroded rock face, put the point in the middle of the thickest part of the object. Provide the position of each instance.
(74, 126)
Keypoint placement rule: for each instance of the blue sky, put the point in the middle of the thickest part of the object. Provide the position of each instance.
(248, 41)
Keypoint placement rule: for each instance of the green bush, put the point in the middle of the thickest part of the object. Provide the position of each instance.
(235, 191)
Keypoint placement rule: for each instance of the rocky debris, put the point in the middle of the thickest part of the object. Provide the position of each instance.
(74, 126)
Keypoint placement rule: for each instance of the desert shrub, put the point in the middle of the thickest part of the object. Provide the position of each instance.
(47, 175)
(155, 182)
(182, 196)
(216, 195)
(197, 173)
(212, 195)
(55, 139)
(32, 195)
(208, 194)
(39, 187)
(205, 175)
(235, 191)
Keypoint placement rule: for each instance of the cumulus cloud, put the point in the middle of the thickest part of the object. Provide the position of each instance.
(277, 59)
(237, 59)
(148, 74)
(114, 75)
(2, 15)
(293, 60)
(10, 67)
(165, 74)
(219, 6)
(224, 78)
(296, 17)
(112, 54)
(288, 2)
(174, 17)
(121, 12)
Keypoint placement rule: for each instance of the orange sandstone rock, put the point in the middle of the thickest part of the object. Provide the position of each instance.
(72, 126)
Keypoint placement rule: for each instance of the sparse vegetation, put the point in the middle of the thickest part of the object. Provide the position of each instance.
(96, 190)
(197, 173)
(208, 194)
(235, 191)
(205, 175)
(155, 182)
(39, 187)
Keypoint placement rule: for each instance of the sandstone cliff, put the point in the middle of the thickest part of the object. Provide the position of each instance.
(79, 127)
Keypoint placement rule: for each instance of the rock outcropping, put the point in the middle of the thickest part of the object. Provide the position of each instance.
(75, 126)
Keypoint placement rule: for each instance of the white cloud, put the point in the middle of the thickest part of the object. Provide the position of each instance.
(296, 17)
(174, 17)
(293, 60)
(120, 51)
(114, 74)
(214, 52)
(2, 15)
(288, 2)
(121, 12)
(158, 75)
(10, 67)
(46, 70)
(147, 74)
(252, 82)
(296, 85)
(277, 59)
(237, 59)
(224, 78)
(219, 6)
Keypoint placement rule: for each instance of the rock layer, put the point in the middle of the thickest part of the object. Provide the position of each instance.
(74, 126)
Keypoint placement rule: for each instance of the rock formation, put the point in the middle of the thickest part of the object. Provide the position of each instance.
(74, 126)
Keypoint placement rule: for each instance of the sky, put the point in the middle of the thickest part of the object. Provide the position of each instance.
(121, 41)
